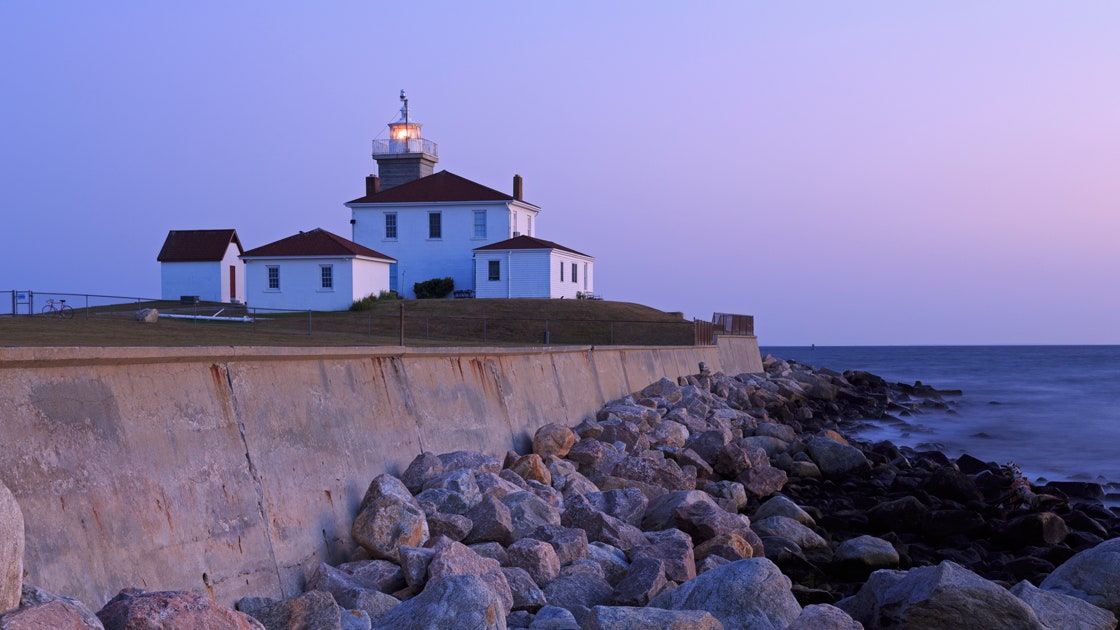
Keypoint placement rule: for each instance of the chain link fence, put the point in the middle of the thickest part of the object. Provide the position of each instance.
(401, 327)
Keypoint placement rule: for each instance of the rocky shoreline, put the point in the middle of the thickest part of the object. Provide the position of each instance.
(713, 502)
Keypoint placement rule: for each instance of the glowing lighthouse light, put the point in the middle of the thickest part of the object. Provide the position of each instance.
(404, 131)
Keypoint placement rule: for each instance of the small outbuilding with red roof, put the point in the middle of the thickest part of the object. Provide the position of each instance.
(314, 270)
(202, 264)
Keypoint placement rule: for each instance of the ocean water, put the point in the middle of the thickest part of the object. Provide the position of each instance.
(1053, 410)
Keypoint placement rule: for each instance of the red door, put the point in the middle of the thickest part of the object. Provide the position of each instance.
(232, 283)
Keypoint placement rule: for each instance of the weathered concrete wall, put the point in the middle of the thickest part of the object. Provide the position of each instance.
(11, 550)
(739, 354)
(234, 471)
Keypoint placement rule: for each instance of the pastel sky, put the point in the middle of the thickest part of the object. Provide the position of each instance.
(851, 173)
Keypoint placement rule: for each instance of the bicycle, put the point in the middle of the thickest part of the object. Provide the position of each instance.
(58, 308)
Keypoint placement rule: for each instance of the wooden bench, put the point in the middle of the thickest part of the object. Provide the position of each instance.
(463, 293)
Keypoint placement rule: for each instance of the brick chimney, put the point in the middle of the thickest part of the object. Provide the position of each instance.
(517, 188)
(373, 185)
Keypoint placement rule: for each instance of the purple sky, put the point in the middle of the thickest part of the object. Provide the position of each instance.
(849, 173)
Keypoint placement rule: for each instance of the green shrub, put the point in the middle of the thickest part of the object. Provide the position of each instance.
(388, 295)
(434, 288)
(364, 304)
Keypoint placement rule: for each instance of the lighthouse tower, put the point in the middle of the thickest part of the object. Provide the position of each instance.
(406, 155)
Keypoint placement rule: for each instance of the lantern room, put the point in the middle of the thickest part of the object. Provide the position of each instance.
(405, 155)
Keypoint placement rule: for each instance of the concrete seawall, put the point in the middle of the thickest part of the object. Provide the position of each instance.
(234, 471)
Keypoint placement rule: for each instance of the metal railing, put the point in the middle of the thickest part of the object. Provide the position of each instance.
(409, 145)
(731, 324)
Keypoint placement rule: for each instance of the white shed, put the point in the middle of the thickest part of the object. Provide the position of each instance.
(314, 270)
(524, 266)
(202, 263)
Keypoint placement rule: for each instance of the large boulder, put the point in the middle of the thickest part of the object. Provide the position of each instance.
(171, 610)
(41, 609)
(627, 504)
(836, 460)
(356, 592)
(388, 518)
(452, 559)
(490, 521)
(527, 512)
(313, 609)
(553, 439)
(634, 618)
(422, 468)
(781, 505)
(1092, 575)
(457, 601)
(536, 557)
(601, 527)
(824, 617)
(673, 548)
(644, 581)
(1039, 529)
(944, 596)
(527, 594)
(11, 550)
(473, 461)
(569, 543)
(1056, 610)
(54, 615)
(749, 593)
(793, 531)
(381, 575)
(868, 551)
(578, 592)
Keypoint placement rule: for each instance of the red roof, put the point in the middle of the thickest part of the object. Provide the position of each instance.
(317, 242)
(197, 245)
(527, 242)
(437, 187)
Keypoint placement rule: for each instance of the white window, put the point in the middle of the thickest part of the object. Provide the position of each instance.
(274, 278)
(529, 225)
(390, 225)
(584, 276)
(561, 271)
(495, 270)
(435, 225)
(480, 224)
(574, 278)
(515, 229)
(326, 276)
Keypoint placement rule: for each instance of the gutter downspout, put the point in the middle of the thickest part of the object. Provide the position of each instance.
(509, 275)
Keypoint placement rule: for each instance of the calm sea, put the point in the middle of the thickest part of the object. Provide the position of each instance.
(1054, 410)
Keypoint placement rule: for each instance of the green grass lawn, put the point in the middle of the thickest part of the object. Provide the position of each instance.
(426, 323)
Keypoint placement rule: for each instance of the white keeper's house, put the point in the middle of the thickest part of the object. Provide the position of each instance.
(314, 270)
(442, 225)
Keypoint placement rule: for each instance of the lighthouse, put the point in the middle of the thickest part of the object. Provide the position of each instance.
(406, 155)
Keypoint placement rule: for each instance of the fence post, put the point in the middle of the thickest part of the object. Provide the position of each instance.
(369, 324)
(308, 322)
(87, 306)
(546, 338)
(428, 327)
(402, 324)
